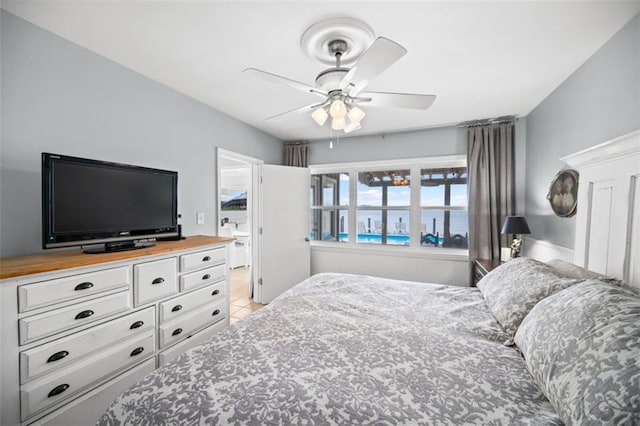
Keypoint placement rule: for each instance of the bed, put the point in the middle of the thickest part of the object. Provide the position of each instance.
(347, 349)
(536, 343)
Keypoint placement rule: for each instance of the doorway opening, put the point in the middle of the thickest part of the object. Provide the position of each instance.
(236, 213)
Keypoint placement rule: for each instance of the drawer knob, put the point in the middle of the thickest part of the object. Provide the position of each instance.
(206, 258)
(215, 292)
(137, 351)
(206, 277)
(136, 324)
(176, 331)
(83, 286)
(216, 312)
(157, 281)
(176, 308)
(58, 390)
(57, 356)
(85, 314)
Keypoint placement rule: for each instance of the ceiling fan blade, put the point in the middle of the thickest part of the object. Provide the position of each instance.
(378, 57)
(395, 100)
(283, 80)
(288, 114)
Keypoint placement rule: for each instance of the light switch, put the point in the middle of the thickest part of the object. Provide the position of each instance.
(200, 218)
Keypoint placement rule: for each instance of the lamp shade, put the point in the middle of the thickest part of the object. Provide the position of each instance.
(320, 116)
(356, 115)
(338, 109)
(515, 225)
(338, 123)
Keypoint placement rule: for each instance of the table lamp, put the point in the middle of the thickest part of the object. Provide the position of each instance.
(516, 225)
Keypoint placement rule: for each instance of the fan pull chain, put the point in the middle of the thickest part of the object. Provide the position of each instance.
(331, 138)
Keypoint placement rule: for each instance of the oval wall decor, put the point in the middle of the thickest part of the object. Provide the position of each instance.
(563, 193)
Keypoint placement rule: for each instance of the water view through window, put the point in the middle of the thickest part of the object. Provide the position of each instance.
(383, 207)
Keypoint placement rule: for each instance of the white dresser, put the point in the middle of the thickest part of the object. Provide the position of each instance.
(78, 329)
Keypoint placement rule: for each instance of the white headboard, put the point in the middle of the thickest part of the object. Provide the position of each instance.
(608, 218)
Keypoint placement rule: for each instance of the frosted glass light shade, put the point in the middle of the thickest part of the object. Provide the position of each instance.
(356, 115)
(338, 123)
(320, 116)
(338, 109)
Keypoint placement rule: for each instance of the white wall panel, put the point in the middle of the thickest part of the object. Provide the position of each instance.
(632, 261)
(545, 251)
(606, 234)
(407, 265)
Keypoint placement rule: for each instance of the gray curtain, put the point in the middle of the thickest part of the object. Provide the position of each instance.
(296, 154)
(491, 186)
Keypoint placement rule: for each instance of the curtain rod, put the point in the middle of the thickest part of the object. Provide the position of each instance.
(489, 121)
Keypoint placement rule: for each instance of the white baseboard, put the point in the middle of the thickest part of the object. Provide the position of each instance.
(545, 251)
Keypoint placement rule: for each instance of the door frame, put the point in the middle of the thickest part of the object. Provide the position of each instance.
(254, 163)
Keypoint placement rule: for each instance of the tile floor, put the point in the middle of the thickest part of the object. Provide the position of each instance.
(241, 304)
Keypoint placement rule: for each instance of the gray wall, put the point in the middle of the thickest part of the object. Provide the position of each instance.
(425, 143)
(598, 102)
(61, 98)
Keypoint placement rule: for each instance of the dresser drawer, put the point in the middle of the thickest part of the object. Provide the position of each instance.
(88, 408)
(181, 328)
(204, 277)
(154, 280)
(202, 259)
(42, 325)
(191, 341)
(60, 353)
(39, 395)
(184, 305)
(45, 293)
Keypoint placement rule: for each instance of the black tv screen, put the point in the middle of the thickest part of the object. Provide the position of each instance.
(89, 201)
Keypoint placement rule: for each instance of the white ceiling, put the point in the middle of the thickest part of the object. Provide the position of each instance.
(482, 59)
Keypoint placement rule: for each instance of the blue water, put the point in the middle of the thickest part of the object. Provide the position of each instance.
(377, 238)
(458, 224)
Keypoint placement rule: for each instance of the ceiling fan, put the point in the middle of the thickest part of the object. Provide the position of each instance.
(342, 88)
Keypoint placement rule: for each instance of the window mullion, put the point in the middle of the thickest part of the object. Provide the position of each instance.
(353, 202)
(415, 206)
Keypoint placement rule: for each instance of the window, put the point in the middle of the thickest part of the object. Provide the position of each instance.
(384, 207)
(443, 207)
(418, 203)
(329, 207)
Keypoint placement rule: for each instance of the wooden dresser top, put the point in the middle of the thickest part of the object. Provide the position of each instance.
(11, 267)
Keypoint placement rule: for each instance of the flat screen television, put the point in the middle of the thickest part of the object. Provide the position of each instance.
(88, 202)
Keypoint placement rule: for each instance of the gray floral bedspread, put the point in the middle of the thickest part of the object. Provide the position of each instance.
(346, 349)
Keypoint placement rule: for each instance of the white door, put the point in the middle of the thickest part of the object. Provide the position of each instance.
(284, 220)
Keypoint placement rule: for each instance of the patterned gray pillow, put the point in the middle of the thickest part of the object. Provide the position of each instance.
(512, 289)
(582, 345)
(569, 270)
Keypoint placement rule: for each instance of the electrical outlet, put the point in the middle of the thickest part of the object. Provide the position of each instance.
(200, 218)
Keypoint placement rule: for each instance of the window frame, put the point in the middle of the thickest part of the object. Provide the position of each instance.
(334, 208)
(415, 165)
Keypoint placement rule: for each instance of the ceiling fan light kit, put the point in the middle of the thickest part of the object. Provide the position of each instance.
(338, 109)
(344, 43)
(320, 116)
(338, 123)
(356, 114)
